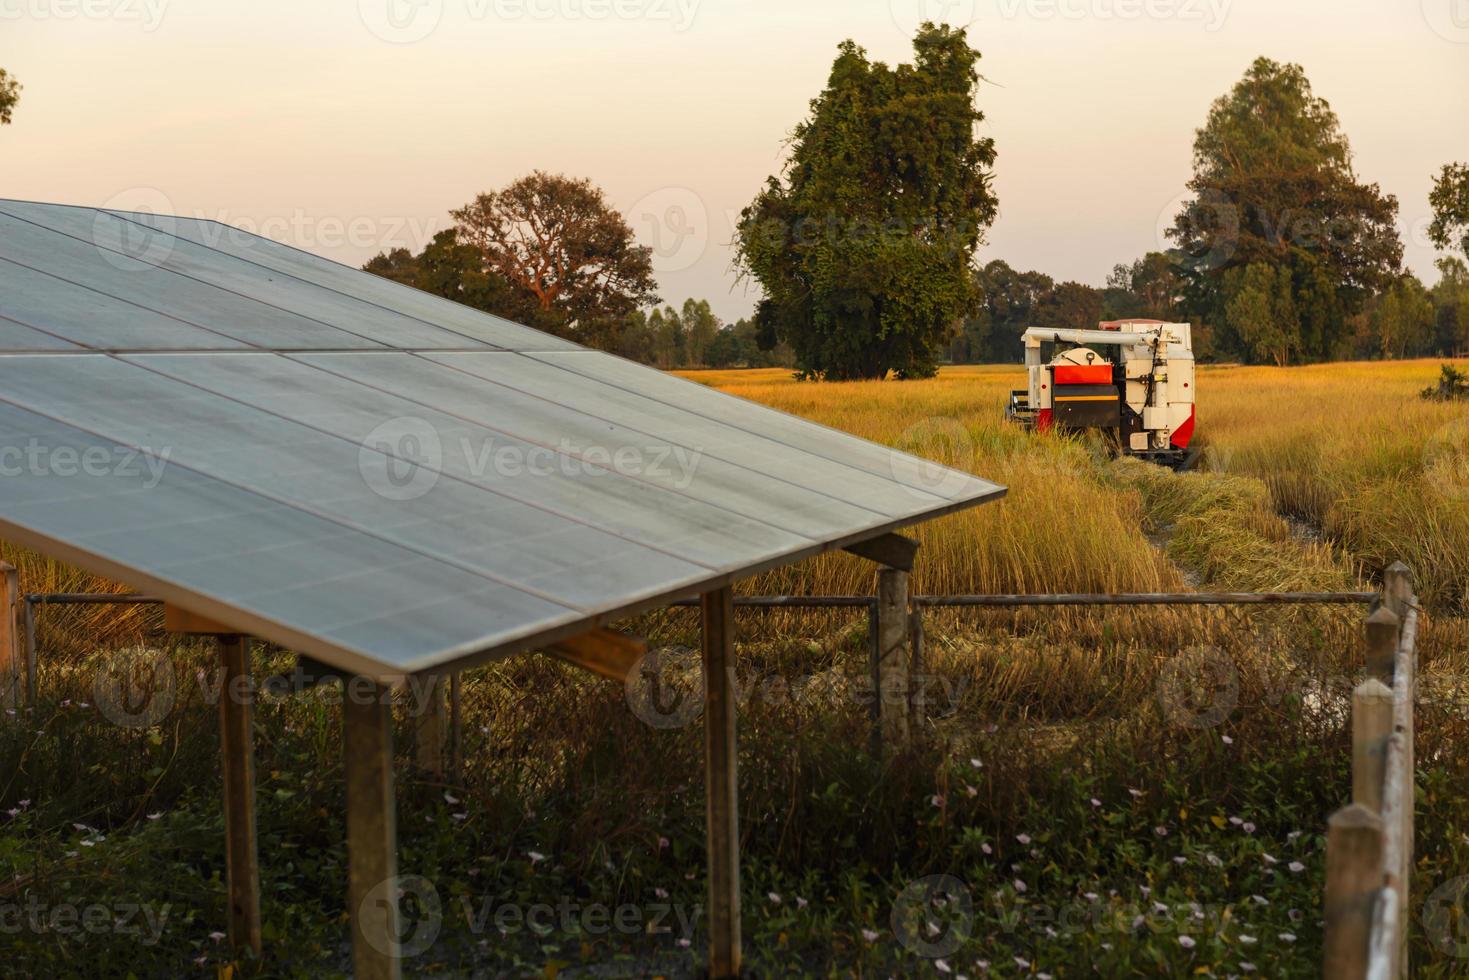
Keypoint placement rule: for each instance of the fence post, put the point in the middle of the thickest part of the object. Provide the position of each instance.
(1397, 589)
(1382, 643)
(893, 660)
(1371, 726)
(9, 636)
(1353, 876)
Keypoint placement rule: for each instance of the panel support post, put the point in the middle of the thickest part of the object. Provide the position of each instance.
(372, 830)
(10, 630)
(892, 669)
(721, 773)
(1353, 877)
(242, 859)
(429, 724)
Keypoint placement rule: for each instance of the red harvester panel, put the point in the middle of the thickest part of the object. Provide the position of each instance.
(1083, 374)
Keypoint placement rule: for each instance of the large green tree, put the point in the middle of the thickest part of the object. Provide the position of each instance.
(1450, 203)
(9, 95)
(864, 245)
(1275, 189)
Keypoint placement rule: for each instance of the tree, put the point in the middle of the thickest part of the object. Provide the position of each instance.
(864, 246)
(1274, 187)
(700, 326)
(1150, 288)
(1071, 305)
(1403, 319)
(1450, 202)
(456, 271)
(1261, 312)
(1451, 307)
(556, 239)
(9, 95)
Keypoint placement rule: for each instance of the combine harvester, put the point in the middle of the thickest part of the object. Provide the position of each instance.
(1143, 401)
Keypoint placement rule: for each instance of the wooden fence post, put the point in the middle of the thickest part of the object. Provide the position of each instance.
(893, 666)
(1353, 876)
(1383, 627)
(10, 632)
(1397, 588)
(1372, 704)
(722, 794)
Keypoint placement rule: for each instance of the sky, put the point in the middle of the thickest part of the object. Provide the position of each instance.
(347, 127)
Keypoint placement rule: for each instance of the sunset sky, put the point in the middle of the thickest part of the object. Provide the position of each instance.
(350, 126)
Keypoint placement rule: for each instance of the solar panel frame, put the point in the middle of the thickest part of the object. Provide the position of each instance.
(280, 423)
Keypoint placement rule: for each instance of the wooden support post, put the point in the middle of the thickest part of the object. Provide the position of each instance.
(10, 636)
(892, 550)
(1353, 876)
(236, 739)
(456, 724)
(372, 830)
(429, 724)
(1371, 726)
(722, 784)
(891, 671)
(1382, 643)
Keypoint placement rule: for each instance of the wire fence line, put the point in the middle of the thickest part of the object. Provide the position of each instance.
(1370, 842)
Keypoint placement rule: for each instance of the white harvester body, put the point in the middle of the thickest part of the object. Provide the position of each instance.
(1141, 391)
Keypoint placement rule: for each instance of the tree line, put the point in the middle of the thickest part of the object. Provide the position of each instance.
(864, 245)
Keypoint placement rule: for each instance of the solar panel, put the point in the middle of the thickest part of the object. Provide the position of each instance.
(375, 476)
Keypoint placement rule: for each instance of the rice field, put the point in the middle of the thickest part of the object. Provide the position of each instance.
(1096, 831)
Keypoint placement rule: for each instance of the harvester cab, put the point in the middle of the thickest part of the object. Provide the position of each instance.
(1141, 397)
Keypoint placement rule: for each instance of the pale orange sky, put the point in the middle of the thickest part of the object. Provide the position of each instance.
(349, 126)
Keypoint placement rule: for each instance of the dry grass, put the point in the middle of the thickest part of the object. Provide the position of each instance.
(1348, 450)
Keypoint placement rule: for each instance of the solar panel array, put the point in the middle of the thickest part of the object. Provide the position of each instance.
(374, 475)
